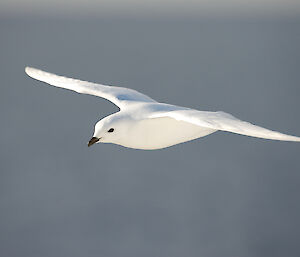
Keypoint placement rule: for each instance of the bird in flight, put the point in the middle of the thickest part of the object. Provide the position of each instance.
(143, 123)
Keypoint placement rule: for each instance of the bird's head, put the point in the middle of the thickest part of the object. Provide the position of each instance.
(109, 130)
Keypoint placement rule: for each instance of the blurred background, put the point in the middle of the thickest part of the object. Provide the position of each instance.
(222, 195)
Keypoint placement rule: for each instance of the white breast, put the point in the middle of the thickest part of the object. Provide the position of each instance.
(150, 134)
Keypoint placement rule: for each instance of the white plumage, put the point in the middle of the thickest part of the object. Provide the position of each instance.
(143, 123)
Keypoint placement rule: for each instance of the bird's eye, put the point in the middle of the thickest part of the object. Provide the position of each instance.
(110, 130)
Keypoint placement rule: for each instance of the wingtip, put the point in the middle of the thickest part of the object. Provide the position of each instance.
(31, 72)
(28, 69)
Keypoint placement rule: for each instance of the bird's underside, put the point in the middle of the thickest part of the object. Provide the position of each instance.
(158, 133)
(156, 125)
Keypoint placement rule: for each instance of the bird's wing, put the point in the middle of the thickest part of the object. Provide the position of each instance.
(120, 96)
(225, 122)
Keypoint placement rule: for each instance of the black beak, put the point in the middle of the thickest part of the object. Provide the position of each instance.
(93, 141)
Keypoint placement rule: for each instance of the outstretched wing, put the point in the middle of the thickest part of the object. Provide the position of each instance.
(225, 122)
(120, 96)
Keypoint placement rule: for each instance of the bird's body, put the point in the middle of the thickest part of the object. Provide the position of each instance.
(142, 132)
(157, 133)
(143, 123)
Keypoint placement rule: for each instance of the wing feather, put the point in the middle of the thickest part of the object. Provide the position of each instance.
(120, 96)
(225, 122)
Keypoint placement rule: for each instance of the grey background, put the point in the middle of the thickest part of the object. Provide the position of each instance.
(222, 195)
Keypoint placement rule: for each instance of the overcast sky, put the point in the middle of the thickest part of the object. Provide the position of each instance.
(152, 7)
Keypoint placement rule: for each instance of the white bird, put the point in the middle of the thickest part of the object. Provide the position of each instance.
(143, 123)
